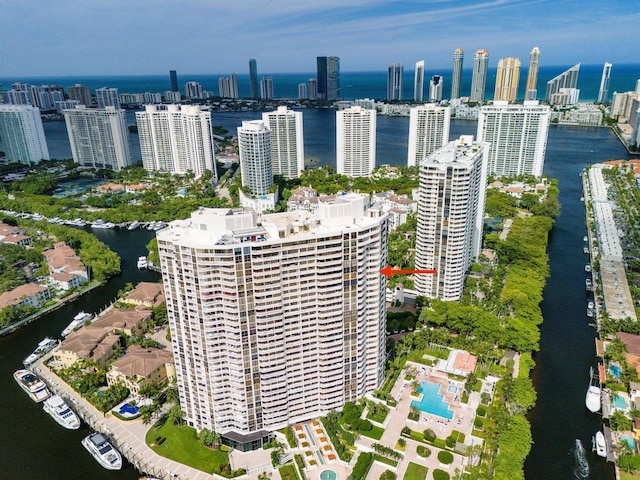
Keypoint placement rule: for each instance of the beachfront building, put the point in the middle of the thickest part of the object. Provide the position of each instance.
(532, 77)
(456, 77)
(275, 319)
(107, 97)
(450, 210)
(518, 137)
(254, 144)
(428, 131)
(567, 79)
(355, 141)
(418, 82)
(98, 137)
(394, 82)
(176, 139)
(479, 76)
(507, 79)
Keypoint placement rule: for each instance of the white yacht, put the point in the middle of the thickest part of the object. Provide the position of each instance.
(142, 262)
(45, 346)
(77, 322)
(102, 451)
(103, 224)
(585, 249)
(30, 383)
(61, 413)
(587, 268)
(133, 225)
(592, 400)
(601, 447)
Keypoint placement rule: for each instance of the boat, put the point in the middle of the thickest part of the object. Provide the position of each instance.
(45, 346)
(590, 312)
(592, 400)
(102, 451)
(581, 464)
(133, 225)
(31, 384)
(159, 225)
(102, 224)
(599, 444)
(587, 268)
(585, 249)
(585, 239)
(61, 413)
(142, 262)
(588, 284)
(590, 305)
(77, 322)
(151, 225)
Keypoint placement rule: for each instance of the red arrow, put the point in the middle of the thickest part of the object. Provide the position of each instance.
(388, 271)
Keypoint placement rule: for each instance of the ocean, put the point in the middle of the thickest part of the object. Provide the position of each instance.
(353, 85)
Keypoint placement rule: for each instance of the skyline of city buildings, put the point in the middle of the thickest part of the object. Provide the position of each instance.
(98, 137)
(507, 79)
(176, 139)
(479, 75)
(395, 72)
(22, 134)
(276, 321)
(453, 182)
(517, 135)
(428, 131)
(228, 86)
(355, 141)
(287, 141)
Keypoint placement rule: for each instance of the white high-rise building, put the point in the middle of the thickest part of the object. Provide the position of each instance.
(287, 141)
(518, 137)
(450, 210)
(176, 139)
(266, 88)
(355, 141)
(108, 97)
(567, 79)
(394, 81)
(254, 144)
(418, 82)
(479, 77)
(193, 90)
(428, 131)
(456, 75)
(98, 137)
(303, 92)
(436, 86)
(532, 76)
(22, 134)
(603, 93)
(228, 86)
(275, 321)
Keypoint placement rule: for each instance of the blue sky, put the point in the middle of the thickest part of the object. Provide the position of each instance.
(120, 37)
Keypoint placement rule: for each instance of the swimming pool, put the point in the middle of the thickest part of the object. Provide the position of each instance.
(619, 402)
(432, 402)
(127, 408)
(629, 441)
(615, 370)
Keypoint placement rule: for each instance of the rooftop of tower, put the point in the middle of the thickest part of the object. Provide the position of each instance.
(463, 150)
(227, 226)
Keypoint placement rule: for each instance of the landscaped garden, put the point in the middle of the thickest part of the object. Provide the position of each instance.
(415, 472)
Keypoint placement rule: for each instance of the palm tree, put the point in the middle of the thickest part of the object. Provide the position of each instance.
(176, 415)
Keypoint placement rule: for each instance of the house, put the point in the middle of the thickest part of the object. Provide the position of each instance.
(65, 281)
(136, 188)
(110, 187)
(141, 366)
(63, 259)
(123, 320)
(29, 294)
(146, 294)
(97, 344)
(16, 239)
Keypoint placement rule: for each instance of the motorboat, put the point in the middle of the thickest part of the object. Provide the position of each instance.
(588, 284)
(593, 400)
(77, 322)
(142, 262)
(44, 346)
(585, 249)
(151, 226)
(30, 383)
(590, 312)
(585, 239)
(581, 464)
(102, 224)
(133, 225)
(587, 268)
(591, 305)
(600, 445)
(159, 225)
(98, 446)
(61, 413)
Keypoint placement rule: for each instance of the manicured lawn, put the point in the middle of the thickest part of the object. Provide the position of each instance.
(182, 445)
(375, 433)
(379, 417)
(629, 476)
(288, 472)
(415, 472)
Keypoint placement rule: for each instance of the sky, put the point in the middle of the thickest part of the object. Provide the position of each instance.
(128, 37)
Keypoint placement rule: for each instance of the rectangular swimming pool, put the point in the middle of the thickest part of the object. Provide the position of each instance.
(432, 402)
